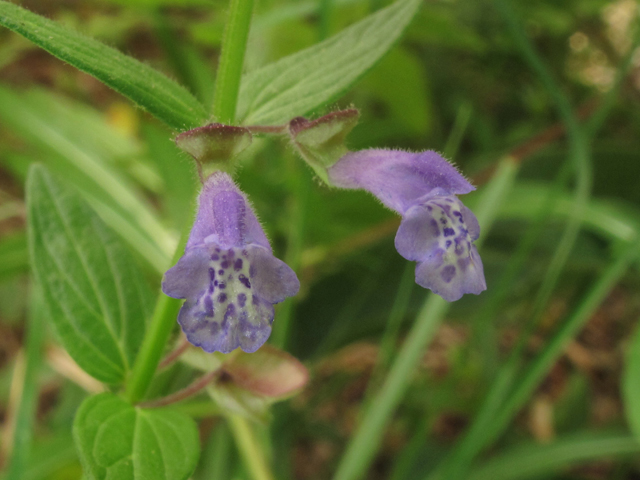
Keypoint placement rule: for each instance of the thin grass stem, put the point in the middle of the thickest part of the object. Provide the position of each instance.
(27, 397)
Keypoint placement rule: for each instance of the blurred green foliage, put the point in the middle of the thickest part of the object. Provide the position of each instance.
(456, 82)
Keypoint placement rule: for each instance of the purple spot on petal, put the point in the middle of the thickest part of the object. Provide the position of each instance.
(463, 263)
(238, 264)
(208, 306)
(448, 244)
(215, 256)
(449, 231)
(448, 273)
(242, 299)
(222, 297)
(225, 264)
(215, 283)
(244, 280)
(212, 274)
(220, 272)
(231, 253)
(217, 250)
(429, 207)
(222, 285)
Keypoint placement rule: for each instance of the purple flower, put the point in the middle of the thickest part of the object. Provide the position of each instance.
(228, 274)
(437, 230)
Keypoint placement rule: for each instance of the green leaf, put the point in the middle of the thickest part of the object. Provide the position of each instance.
(304, 81)
(97, 298)
(146, 87)
(399, 81)
(631, 385)
(118, 441)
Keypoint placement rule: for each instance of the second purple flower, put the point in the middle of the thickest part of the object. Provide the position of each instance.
(437, 230)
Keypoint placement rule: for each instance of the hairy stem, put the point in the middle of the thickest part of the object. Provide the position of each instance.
(183, 394)
(153, 345)
(174, 355)
(234, 45)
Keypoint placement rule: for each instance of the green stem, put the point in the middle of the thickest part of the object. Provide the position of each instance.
(153, 345)
(325, 19)
(234, 45)
(249, 448)
(195, 387)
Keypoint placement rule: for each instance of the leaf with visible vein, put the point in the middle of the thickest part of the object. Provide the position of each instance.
(146, 87)
(97, 298)
(117, 440)
(311, 78)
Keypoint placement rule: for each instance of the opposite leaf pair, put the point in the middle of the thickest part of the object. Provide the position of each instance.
(230, 278)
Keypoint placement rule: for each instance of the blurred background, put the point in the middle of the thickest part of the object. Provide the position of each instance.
(458, 83)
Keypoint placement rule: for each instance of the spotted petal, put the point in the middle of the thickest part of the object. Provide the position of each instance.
(232, 306)
(438, 235)
(272, 279)
(187, 276)
(452, 277)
